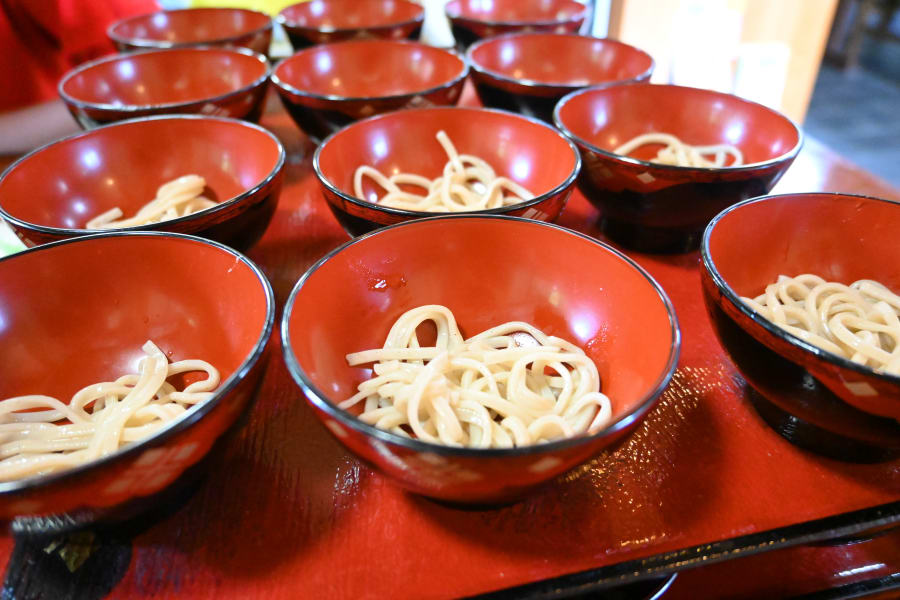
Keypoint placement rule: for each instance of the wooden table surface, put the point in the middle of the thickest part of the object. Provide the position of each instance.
(287, 512)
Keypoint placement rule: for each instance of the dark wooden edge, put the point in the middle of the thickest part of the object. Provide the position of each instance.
(593, 580)
(859, 589)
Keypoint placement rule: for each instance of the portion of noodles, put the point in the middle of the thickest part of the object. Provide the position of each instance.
(40, 434)
(468, 183)
(677, 153)
(177, 198)
(860, 321)
(511, 385)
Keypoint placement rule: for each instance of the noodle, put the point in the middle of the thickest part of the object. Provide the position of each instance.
(859, 322)
(680, 154)
(40, 434)
(177, 198)
(468, 183)
(511, 385)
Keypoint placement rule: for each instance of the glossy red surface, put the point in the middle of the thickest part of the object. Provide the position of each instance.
(660, 207)
(840, 238)
(194, 26)
(349, 303)
(329, 86)
(290, 513)
(52, 193)
(531, 72)
(226, 82)
(529, 152)
(472, 20)
(369, 69)
(564, 60)
(75, 314)
(326, 21)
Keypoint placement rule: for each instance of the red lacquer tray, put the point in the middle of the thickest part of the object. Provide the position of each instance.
(288, 513)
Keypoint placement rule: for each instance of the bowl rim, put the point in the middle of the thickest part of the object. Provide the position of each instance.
(728, 292)
(580, 15)
(284, 22)
(285, 88)
(785, 156)
(192, 415)
(525, 82)
(200, 214)
(416, 214)
(164, 44)
(131, 108)
(626, 420)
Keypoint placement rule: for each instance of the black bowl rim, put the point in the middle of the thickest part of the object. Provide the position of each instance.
(200, 214)
(415, 214)
(195, 413)
(726, 290)
(285, 88)
(173, 106)
(580, 15)
(290, 25)
(163, 44)
(623, 422)
(532, 83)
(786, 156)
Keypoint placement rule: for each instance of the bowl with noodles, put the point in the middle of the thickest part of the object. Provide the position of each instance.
(471, 377)
(660, 161)
(472, 20)
(127, 358)
(416, 163)
(811, 319)
(327, 87)
(217, 178)
(530, 72)
(205, 26)
(327, 21)
(207, 80)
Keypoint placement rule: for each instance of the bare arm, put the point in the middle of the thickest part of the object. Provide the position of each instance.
(25, 129)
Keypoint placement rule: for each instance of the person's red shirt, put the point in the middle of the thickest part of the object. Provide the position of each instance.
(40, 40)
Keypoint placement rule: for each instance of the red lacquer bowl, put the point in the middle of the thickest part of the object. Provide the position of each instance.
(326, 21)
(838, 237)
(348, 301)
(77, 312)
(225, 82)
(530, 72)
(192, 27)
(662, 208)
(51, 193)
(327, 87)
(531, 153)
(472, 20)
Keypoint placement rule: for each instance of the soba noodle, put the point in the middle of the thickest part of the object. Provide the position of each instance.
(675, 152)
(40, 434)
(177, 198)
(860, 321)
(511, 385)
(468, 183)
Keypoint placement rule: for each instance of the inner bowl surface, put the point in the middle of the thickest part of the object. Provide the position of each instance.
(325, 21)
(472, 20)
(77, 312)
(838, 237)
(193, 26)
(52, 193)
(564, 283)
(663, 208)
(560, 59)
(368, 69)
(527, 151)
